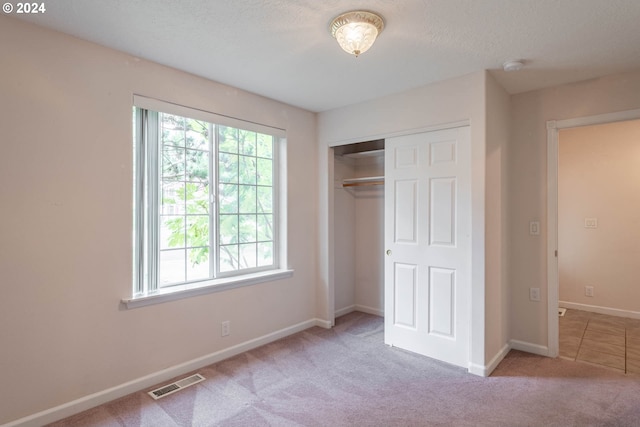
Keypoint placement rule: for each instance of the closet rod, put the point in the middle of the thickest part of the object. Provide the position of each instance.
(361, 182)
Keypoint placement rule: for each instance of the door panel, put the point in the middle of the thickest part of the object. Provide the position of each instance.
(405, 295)
(443, 211)
(442, 301)
(427, 235)
(406, 211)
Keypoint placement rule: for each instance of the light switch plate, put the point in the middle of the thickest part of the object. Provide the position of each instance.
(534, 228)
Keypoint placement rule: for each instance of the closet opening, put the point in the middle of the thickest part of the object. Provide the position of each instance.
(359, 228)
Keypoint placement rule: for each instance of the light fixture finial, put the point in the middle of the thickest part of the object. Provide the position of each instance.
(356, 31)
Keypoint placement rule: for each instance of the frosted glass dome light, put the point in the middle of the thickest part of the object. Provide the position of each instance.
(356, 31)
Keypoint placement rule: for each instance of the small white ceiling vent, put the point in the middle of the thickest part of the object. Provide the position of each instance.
(168, 389)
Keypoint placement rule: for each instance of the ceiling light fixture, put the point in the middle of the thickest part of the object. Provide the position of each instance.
(356, 31)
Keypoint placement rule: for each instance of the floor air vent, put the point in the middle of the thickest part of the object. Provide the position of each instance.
(168, 389)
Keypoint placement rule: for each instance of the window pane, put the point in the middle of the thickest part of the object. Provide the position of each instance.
(197, 230)
(197, 165)
(188, 248)
(247, 170)
(247, 225)
(172, 202)
(197, 134)
(173, 138)
(265, 199)
(265, 227)
(228, 198)
(227, 139)
(247, 141)
(197, 196)
(198, 264)
(172, 164)
(228, 258)
(247, 199)
(171, 122)
(228, 229)
(228, 168)
(248, 256)
(172, 267)
(265, 146)
(265, 253)
(265, 172)
(171, 232)
(172, 130)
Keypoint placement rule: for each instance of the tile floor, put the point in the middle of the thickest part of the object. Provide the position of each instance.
(601, 339)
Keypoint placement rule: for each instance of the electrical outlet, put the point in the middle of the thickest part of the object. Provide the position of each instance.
(591, 223)
(226, 328)
(588, 291)
(534, 294)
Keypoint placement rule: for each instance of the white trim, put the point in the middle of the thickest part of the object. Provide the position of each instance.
(529, 347)
(362, 308)
(485, 371)
(553, 126)
(552, 239)
(369, 310)
(345, 310)
(478, 370)
(326, 324)
(599, 119)
(495, 361)
(104, 396)
(599, 309)
(208, 116)
(452, 125)
(210, 286)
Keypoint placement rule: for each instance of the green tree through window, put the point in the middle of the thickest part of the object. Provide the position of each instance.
(215, 211)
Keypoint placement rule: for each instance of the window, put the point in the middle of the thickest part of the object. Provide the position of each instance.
(206, 198)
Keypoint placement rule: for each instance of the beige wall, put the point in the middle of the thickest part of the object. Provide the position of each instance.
(66, 224)
(369, 226)
(497, 310)
(527, 196)
(599, 177)
(359, 236)
(344, 253)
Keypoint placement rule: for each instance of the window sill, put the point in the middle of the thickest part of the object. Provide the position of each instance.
(185, 291)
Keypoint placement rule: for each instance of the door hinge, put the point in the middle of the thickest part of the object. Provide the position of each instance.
(556, 253)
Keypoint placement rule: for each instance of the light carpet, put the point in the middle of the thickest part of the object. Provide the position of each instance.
(346, 376)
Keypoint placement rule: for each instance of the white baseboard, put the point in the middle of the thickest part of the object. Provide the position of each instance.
(101, 397)
(485, 371)
(322, 323)
(598, 309)
(346, 310)
(358, 307)
(529, 347)
(369, 310)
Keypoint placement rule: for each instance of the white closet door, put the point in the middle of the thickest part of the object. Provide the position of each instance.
(428, 244)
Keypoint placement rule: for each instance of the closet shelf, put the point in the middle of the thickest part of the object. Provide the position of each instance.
(361, 182)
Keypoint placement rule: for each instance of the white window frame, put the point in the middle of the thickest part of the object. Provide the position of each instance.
(146, 234)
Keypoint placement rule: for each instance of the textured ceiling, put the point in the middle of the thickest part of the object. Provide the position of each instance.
(283, 50)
